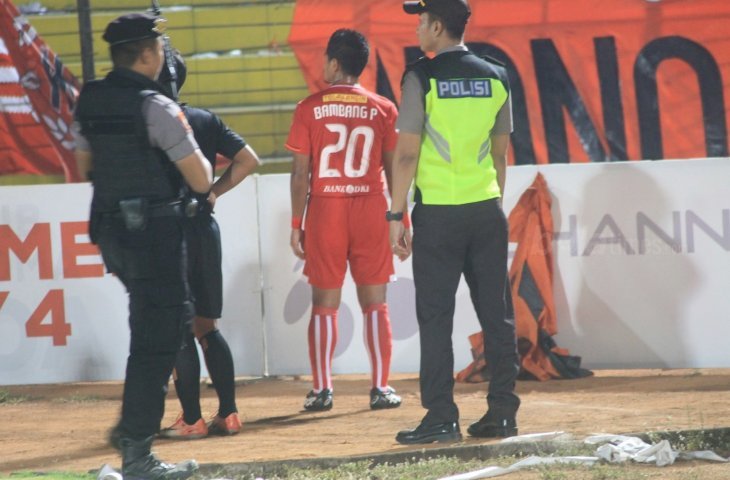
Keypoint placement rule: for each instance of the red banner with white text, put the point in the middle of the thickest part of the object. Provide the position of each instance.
(594, 80)
(37, 96)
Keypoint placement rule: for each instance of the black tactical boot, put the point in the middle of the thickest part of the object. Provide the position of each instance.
(138, 463)
(115, 437)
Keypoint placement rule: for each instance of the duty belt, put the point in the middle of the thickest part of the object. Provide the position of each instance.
(172, 209)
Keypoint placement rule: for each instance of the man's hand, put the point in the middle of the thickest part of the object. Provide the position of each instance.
(297, 242)
(400, 240)
(211, 199)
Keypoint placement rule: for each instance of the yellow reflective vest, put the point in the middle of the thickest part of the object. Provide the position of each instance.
(462, 95)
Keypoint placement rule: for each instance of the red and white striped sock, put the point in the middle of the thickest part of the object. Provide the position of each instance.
(378, 342)
(322, 337)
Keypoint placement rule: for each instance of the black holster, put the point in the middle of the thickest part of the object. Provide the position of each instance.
(134, 213)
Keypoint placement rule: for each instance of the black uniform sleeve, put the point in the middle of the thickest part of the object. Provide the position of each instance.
(229, 142)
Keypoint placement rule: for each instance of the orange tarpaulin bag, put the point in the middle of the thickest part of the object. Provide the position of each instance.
(531, 300)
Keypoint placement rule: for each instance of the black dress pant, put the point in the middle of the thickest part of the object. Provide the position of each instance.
(152, 265)
(448, 241)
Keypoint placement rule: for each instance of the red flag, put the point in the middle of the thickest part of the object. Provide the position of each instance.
(37, 97)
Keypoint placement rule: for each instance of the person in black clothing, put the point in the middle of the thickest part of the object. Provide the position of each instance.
(206, 278)
(454, 128)
(139, 152)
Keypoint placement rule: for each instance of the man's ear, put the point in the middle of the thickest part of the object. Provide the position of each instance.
(437, 26)
(145, 55)
(335, 64)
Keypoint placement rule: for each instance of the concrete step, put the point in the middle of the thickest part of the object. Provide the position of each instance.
(227, 80)
(249, 27)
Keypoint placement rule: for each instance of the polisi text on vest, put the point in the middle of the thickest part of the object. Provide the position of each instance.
(467, 87)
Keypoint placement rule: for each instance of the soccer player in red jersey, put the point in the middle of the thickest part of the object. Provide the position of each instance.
(343, 139)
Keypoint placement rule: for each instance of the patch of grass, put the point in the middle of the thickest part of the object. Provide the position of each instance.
(715, 439)
(599, 471)
(49, 476)
(416, 470)
(550, 473)
(441, 467)
(78, 398)
(12, 399)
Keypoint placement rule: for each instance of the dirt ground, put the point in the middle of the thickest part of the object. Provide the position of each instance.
(63, 427)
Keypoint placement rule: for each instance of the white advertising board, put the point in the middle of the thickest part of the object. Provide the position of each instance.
(242, 322)
(288, 300)
(642, 260)
(642, 252)
(62, 318)
(642, 255)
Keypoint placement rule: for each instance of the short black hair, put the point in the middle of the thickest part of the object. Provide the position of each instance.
(453, 24)
(125, 54)
(351, 49)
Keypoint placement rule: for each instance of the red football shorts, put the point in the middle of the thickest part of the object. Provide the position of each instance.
(342, 229)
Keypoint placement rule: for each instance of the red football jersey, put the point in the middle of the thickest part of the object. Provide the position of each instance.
(344, 129)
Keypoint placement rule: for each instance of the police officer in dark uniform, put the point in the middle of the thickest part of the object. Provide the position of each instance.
(206, 277)
(135, 146)
(454, 123)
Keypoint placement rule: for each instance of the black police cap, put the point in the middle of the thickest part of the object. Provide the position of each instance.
(133, 27)
(457, 9)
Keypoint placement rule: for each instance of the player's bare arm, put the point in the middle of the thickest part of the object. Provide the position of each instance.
(84, 163)
(196, 171)
(405, 163)
(388, 169)
(299, 187)
(500, 144)
(242, 165)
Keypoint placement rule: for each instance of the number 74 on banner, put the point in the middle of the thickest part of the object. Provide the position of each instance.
(53, 306)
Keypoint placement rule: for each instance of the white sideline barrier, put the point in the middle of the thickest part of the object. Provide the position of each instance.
(288, 300)
(241, 323)
(96, 307)
(642, 255)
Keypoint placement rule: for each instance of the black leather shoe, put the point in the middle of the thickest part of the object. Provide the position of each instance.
(493, 427)
(442, 432)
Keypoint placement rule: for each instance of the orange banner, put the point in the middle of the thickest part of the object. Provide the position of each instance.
(37, 97)
(592, 80)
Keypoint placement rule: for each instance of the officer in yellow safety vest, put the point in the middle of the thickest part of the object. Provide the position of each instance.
(455, 120)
